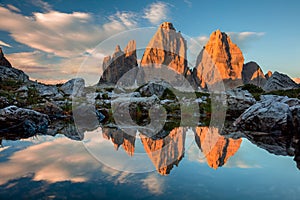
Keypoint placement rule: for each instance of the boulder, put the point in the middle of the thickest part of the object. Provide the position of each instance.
(273, 114)
(73, 87)
(239, 100)
(157, 88)
(22, 122)
(46, 90)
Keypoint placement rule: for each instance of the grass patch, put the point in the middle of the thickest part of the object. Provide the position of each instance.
(257, 92)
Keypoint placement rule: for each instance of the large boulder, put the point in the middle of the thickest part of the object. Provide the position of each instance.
(73, 87)
(22, 122)
(273, 114)
(46, 90)
(239, 100)
(157, 88)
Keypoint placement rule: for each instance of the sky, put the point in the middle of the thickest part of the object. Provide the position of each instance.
(50, 40)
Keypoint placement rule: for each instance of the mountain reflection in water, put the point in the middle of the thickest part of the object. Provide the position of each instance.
(49, 163)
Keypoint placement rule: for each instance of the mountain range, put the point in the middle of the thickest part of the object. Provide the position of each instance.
(220, 61)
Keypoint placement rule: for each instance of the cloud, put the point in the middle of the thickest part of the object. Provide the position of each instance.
(61, 41)
(243, 39)
(4, 44)
(48, 68)
(127, 18)
(42, 4)
(63, 34)
(13, 8)
(156, 12)
(154, 184)
(189, 3)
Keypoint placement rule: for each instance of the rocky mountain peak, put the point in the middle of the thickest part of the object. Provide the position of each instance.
(167, 25)
(121, 62)
(3, 60)
(220, 60)
(166, 48)
(253, 74)
(118, 49)
(268, 75)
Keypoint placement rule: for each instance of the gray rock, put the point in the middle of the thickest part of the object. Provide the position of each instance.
(273, 114)
(22, 122)
(154, 88)
(280, 81)
(12, 74)
(4, 102)
(239, 100)
(46, 90)
(73, 87)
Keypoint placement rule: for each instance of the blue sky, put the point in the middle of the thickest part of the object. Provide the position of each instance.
(50, 39)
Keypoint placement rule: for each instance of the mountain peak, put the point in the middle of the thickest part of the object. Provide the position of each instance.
(167, 25)
(3, 60)
(221, 60)
(118, 48)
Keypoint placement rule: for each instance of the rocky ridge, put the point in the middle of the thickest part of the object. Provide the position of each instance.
(279, 81)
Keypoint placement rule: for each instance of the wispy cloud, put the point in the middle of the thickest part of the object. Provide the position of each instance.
(4, 44)
(243, 39)
(13, 8)
(154, 184)
(127, 18)
(63, 34)
(156, 12)
(42, 4)
(189, 3)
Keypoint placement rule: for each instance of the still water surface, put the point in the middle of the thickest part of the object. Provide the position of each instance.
(196, 163)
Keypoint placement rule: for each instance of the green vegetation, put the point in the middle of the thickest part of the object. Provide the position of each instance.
(10, 85)
(254, 90)
(67, 108)
(257, 92)
(293, 93)
(33, 96)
